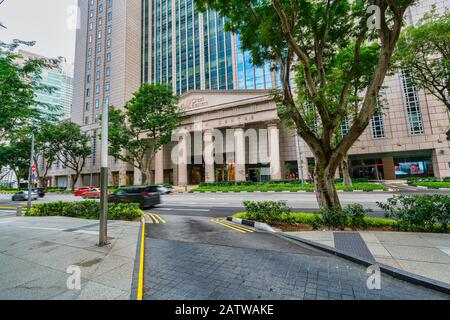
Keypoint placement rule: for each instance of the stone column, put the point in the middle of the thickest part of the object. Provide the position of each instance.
(54, 182)
(122, 177)
(239, 153)
(388, 168)
(182, 161)
(69, 182)
(159, 166)
(274, 150)
(137, 177)
(209, 156)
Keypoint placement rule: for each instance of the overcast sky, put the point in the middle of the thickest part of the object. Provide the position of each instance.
(48, 22)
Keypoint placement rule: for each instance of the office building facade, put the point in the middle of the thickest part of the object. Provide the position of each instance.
(225, 98)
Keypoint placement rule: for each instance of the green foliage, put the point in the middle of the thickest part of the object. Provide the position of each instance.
(150, 117)
(432, 185)
(356, 215)
(446, 179)
(85, 210)
(419, 212)
(19, 81)
(412, 180)
(332, 218)
(265, 187)
(315, 220)
(266, 210)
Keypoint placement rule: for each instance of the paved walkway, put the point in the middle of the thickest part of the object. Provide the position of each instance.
(425, 254)
(35, 254)
(194, 258)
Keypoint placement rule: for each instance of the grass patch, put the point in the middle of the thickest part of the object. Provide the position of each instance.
(365, 186)
(434, 185)
(286, 221)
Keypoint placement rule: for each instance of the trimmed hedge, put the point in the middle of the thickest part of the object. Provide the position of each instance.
(429, 212)
(285, 187)
(313, 220)
(86, 210)
(282, 181)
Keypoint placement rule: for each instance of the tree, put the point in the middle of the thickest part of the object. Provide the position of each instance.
(308, 37)
(424, 50)
(136, 134)
(48, 140)
(18, 83)
(73, 145)
(16, 156)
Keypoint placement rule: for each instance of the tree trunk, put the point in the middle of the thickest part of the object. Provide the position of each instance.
(448, 134)
(325, 188)
(345, 172)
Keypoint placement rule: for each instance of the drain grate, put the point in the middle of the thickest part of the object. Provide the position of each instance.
(352, 243)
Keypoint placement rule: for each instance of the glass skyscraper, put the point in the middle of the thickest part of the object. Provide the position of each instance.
(192, 50)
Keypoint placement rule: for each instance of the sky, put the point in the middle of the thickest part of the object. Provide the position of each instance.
(51, 23)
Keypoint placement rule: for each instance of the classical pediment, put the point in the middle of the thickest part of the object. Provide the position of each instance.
(205, 100)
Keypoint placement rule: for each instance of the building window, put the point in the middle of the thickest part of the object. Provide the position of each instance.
(345, 126)
(87, 106)
(107, 101)
(97, 89)
(99, 47)
(99, 61)
(88, 78)
(108, 57)
(96, 104)
(108, 43)
(414, 113)
(88, 92)
(100, 8)
(378, 122)
(108, 71)
(109, 29)
(86, 120)
(100, 21)
(109, 16)
(107, 86)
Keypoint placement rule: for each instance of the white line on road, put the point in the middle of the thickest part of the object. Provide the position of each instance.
(193, 209)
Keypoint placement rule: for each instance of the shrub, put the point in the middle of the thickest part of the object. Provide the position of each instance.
(354, 180)
(332, 218)
(85, 210)
(419, 212)
(266, 210)
(446, 179)
(412, 180)
(356, 215)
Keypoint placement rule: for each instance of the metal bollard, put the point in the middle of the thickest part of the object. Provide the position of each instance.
(19, 211)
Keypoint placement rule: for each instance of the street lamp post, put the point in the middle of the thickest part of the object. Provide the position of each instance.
(103, 238)
(30, 172)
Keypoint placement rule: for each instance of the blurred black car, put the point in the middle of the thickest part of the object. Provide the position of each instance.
(40, 192)
(146, 196)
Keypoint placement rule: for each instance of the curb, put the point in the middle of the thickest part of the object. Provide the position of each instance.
(394, 272)
(254, 224)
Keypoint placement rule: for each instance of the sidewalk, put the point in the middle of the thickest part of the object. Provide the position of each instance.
(36, 252)
(424, 254)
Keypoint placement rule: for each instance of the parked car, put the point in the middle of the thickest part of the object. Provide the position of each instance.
(93, 193)
(40, 192)
(23, 195)
(163, 189)
(80, 191)
(146, 196)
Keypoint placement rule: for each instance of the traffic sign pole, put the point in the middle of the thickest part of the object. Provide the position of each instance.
(32, 166)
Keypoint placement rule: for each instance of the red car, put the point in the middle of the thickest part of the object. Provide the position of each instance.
(80, 191)
(93, 193)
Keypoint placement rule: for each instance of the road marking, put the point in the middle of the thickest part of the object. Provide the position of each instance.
(140, 289)
(223, 222)
(156, 218)
(193, 209)
(8, 207)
